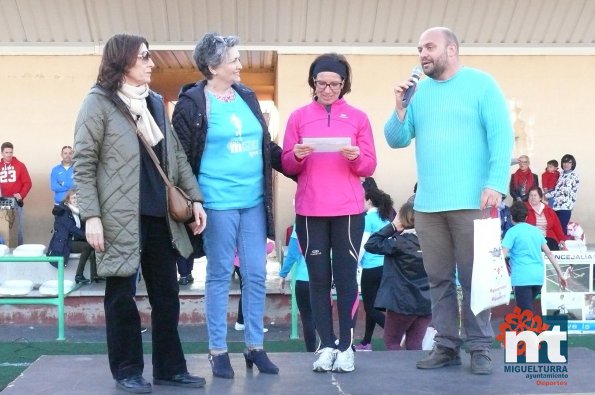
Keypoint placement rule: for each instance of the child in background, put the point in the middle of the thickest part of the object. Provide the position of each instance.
(549, 178)
(404, 290)
(379, 206)
(524, 243)
(302, 289)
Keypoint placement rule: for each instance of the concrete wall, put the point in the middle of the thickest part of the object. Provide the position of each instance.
(41, 96)
(551, 109)
(550, 98)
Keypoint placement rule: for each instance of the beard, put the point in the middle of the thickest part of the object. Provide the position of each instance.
(438, 66)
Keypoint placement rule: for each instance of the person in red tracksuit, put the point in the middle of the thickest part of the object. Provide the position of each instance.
(14, 182)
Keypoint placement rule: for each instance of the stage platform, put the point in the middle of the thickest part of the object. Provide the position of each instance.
(377, 373)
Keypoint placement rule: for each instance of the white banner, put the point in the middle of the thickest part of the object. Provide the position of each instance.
(577, 300)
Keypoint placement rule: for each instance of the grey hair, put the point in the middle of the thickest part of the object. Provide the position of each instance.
(210, 51)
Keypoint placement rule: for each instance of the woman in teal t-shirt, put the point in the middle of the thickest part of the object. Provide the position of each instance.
(380, 208)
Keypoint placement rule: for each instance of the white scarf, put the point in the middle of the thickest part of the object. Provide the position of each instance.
(134, 98)
(75, 213)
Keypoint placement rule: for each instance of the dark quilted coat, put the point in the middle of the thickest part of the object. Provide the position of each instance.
(190, 123)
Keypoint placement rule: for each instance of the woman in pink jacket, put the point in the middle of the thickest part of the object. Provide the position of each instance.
(329, 145)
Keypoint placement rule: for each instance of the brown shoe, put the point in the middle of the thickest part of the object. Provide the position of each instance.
(440, 357)
(481, 362)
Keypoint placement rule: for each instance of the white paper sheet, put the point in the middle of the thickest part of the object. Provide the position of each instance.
(326, 144)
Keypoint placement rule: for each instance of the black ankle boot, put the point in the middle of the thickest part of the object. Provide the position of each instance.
(262, 361)
(221, 365)
(80, 279)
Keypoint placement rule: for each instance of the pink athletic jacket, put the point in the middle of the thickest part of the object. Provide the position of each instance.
(328, 183)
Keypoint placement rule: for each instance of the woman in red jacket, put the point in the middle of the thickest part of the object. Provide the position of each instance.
(542, 216)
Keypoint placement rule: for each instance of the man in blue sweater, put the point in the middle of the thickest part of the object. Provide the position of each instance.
(458, 114)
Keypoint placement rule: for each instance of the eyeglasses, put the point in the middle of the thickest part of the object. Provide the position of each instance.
(144, 56)
(335, 85)
(523, 161)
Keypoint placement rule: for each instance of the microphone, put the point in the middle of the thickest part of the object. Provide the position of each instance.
(415, 75)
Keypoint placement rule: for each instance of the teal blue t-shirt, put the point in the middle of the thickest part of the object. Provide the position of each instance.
(373, 224)
(294, 256)
(231, 169)
(524, 243)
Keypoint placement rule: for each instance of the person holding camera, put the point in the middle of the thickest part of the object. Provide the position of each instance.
(14, 182)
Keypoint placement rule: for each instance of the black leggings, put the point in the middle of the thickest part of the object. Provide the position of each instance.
(370, 284)
(317, 237)
(87, 253)
(302, 297)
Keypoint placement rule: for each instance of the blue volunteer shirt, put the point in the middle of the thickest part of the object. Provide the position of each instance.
(373, 224)
(524, 243)
(231, 170)
(294, 256)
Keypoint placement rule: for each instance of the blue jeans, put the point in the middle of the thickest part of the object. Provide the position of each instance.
(243, 230)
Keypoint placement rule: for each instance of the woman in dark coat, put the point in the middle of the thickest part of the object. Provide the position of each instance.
(69, 236)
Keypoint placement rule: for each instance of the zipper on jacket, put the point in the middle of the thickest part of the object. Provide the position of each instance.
(328, 111)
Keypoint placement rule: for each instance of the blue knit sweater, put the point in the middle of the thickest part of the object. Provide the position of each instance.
(463, 137)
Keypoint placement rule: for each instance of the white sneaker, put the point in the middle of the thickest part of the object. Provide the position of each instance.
(325, 361)
(344, 361)
(241, 327)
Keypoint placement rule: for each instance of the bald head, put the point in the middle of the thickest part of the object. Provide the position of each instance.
(439, 53)
(450, 38)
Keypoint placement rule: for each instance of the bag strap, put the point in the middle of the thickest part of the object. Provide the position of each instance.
(154, 157)
(149, 149)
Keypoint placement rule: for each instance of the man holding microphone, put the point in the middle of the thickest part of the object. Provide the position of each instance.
(459, 113)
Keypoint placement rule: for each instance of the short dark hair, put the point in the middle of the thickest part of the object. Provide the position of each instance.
(210, 51)
(538, 189)
(119, 55)
(331, 57)
(569, 158)
(518, 212)
(7, 144)
(552, 162)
